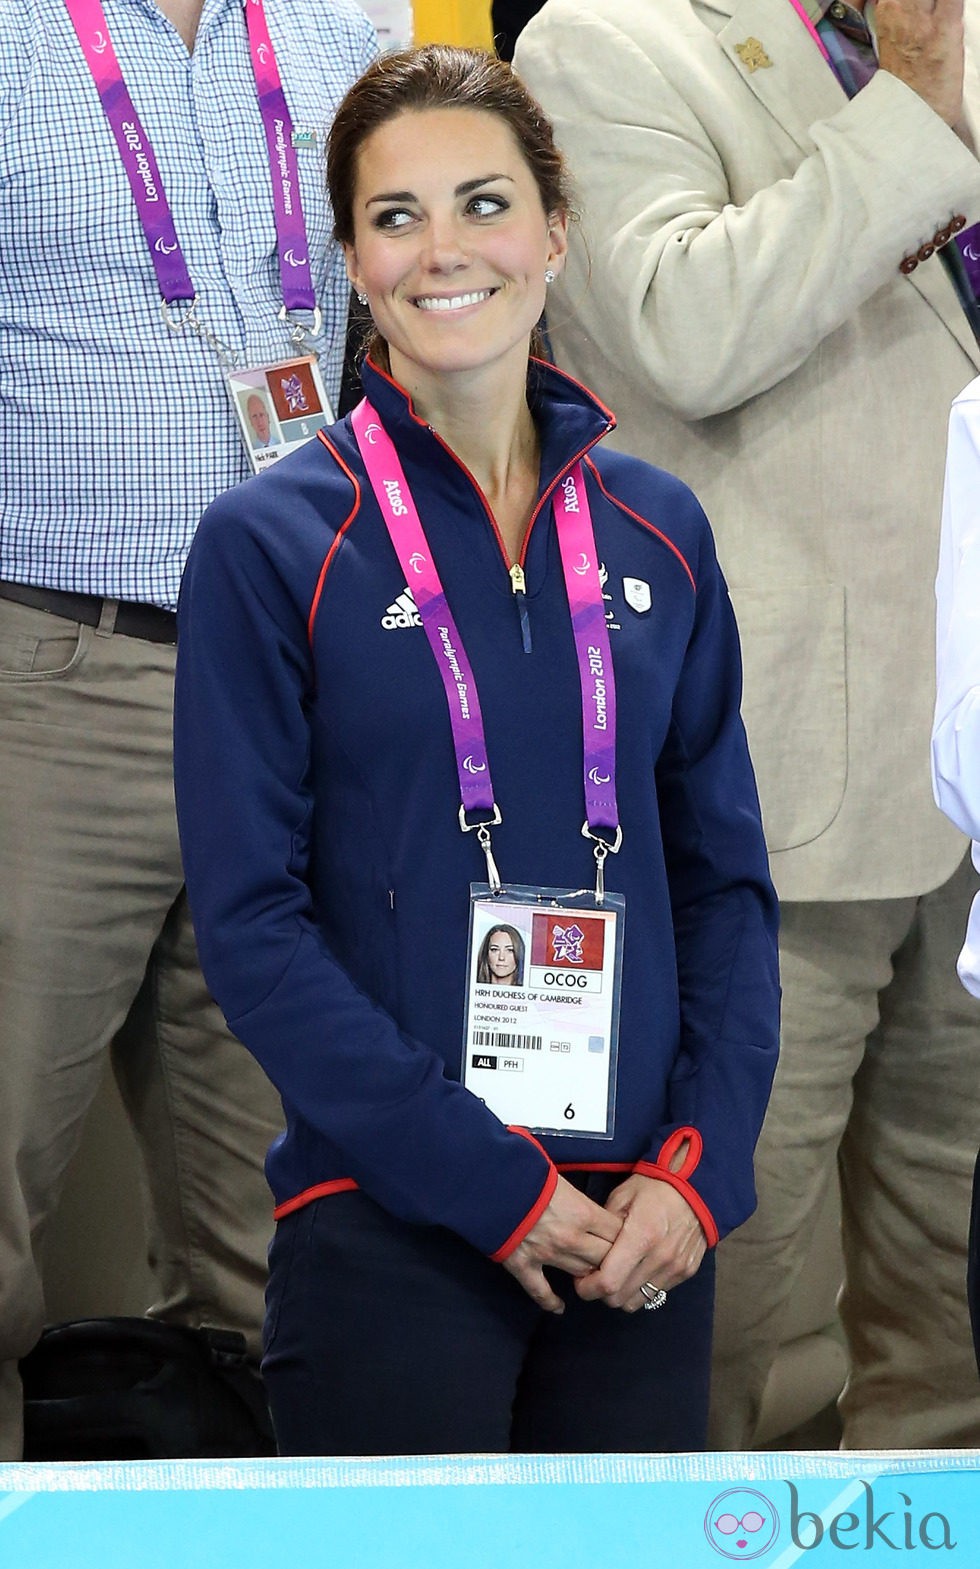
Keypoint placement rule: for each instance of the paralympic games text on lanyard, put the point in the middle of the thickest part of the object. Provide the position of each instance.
(270, 419)
(544, 970)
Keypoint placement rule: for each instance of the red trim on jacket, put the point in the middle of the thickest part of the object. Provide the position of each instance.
(534, 1214)
(321, 1191)
(535, 359)
(314, 607)
(641, 519)
(695, 1149)
(661, 1172)
(594, 1165)
(546, 495)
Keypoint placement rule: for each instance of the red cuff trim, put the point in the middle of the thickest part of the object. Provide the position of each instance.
(321, 1191)
(671, 1145)
(644, 1168)
(515, 1127)
(594, 1165)
(534, 1215)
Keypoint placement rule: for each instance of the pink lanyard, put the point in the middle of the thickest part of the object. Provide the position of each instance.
(576, 542)
(143, 173)
(801, 12)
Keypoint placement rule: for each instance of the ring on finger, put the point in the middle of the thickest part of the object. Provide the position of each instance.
(653, 1296)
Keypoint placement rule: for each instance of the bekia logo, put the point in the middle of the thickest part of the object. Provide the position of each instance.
(743, 1524)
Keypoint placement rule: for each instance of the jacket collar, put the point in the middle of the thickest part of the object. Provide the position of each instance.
(797, 86)
(569, 418)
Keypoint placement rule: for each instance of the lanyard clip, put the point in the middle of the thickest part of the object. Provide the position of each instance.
(483, 836)
(179, 314)
(603, 847)
(186, 319)
(300, 335)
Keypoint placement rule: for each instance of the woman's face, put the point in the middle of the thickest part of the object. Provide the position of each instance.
(501, 959)
(451, 241)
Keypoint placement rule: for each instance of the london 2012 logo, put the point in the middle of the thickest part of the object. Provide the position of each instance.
(741, 1524)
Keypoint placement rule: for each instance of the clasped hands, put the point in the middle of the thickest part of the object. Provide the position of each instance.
(646, 1231)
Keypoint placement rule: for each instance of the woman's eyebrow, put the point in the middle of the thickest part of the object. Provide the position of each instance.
(461, 190)
(485, 179)
(392, 196)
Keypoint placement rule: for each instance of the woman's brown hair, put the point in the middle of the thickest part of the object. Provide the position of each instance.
(439, 76)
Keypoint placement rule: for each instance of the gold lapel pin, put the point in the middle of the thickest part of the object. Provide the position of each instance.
(752, 55)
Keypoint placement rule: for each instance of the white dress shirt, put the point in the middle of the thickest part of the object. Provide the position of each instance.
(956, 730)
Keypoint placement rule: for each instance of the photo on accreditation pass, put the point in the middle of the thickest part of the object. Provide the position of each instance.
(542, 1011)
(279, 407)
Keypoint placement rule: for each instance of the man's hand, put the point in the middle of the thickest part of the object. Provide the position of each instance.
(921, 42)
(661, 1241)
(573, 1234)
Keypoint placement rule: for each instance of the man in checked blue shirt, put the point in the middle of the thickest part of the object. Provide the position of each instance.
(117, 431)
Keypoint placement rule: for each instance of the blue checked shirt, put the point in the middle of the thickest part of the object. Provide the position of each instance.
(116, 432)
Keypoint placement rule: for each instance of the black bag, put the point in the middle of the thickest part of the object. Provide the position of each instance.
(137, 1389)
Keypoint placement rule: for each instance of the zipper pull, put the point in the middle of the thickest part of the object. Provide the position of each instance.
(518, 585)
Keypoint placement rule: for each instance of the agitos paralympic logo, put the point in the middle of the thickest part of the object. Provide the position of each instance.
(742, 1524)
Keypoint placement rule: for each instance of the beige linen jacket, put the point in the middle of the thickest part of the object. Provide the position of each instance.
(734, 294)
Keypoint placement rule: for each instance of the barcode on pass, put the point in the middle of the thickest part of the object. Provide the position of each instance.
(506, 1041)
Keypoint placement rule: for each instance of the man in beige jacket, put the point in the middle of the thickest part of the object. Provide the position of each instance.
(758, 292)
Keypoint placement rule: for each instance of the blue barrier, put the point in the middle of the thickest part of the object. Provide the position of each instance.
(772, 1511)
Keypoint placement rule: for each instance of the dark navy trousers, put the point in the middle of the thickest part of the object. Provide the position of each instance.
(385, 1338)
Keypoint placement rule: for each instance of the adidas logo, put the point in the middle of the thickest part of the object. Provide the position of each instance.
(403, 613)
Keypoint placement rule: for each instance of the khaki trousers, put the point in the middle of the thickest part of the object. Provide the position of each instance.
(879, 1078)
(97, 956)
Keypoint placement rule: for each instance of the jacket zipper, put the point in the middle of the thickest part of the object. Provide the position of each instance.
(516, 572)
(519, 587)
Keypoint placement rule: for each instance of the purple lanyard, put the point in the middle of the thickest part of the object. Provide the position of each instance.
(143, 173)
(294, 261)
(576, 542)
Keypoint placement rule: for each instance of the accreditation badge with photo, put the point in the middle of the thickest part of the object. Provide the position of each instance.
(279, 407)
(541, 1038)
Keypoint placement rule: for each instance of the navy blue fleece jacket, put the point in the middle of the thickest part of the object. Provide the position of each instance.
(327, 874)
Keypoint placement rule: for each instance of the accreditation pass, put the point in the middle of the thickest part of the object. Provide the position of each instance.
(542, 1008)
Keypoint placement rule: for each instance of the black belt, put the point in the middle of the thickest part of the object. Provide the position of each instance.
(148, 622)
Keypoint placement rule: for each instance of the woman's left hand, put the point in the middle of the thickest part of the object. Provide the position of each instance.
(661, 1242)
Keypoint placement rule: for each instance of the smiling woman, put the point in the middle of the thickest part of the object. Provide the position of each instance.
(490, 1235)
(453, 265)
